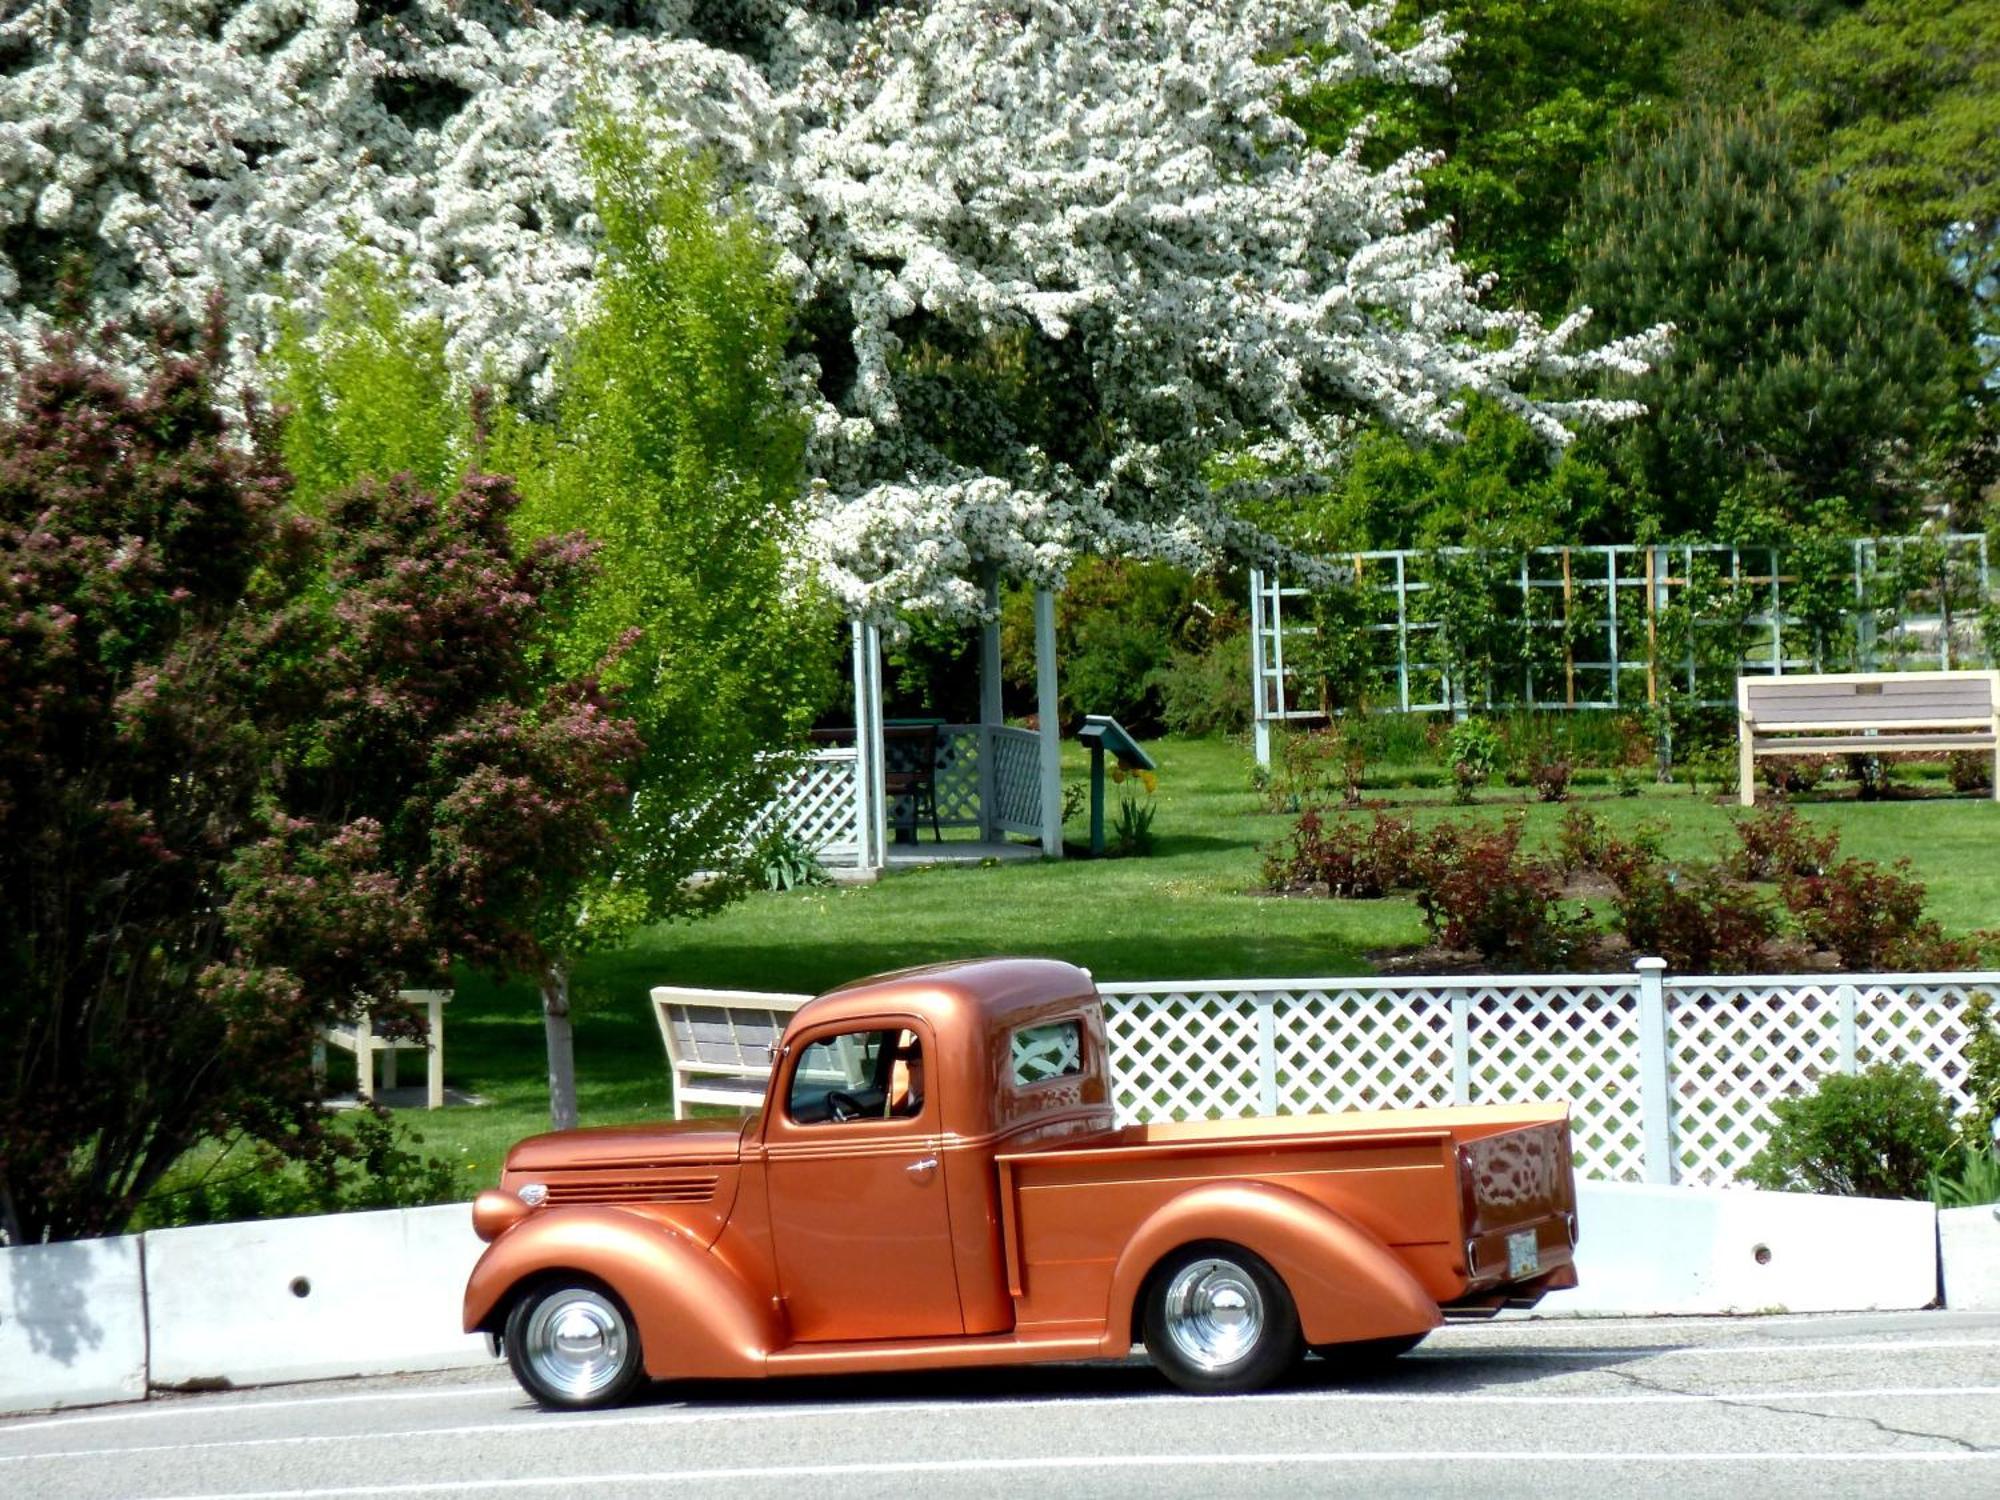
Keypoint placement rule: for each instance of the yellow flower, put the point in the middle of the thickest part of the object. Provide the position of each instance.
(1149, 781)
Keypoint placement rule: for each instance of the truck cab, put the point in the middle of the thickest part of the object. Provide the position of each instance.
(936, 1179)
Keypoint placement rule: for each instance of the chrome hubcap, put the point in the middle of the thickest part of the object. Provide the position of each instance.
(1214, 1313)
(577, 1343)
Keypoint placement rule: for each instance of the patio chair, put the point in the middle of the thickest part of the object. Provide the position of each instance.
(909, 776)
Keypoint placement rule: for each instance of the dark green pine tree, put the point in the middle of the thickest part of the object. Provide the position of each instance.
(1816, 370)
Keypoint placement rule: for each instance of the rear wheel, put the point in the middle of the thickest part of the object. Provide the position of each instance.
(1219, 1320)
(572, 1344)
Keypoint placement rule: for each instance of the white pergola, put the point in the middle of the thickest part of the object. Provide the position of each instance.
(1018, 785)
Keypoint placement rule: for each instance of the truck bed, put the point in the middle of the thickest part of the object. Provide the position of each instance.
(1472, 1201)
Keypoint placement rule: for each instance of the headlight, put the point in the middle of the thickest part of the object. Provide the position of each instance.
(496, 1211)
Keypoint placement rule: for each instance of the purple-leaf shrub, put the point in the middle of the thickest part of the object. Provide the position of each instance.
(257, 771)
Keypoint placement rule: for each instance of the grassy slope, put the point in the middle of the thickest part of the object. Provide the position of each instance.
(1187, 912)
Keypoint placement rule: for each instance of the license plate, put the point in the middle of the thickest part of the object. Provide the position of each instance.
(1524, 1258)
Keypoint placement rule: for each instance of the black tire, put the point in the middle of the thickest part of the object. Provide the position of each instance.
(1219, 1321)
(1363, 1353)
(572, 1344)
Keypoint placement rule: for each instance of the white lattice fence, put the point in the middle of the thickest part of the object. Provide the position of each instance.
(1737, 1045)
(1214, 1050)
(819, 804)
(1668, 1079)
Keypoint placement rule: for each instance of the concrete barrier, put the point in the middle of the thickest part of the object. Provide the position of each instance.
(379, 1293)
(72, 1324)
(301, 1299)
(1733, 1250)
(1969, 1257)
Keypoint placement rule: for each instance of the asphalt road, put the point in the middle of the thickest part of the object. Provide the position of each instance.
(1905, 1404)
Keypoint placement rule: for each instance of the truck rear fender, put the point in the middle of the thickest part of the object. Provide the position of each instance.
(696, 1317)
(1347, 1284)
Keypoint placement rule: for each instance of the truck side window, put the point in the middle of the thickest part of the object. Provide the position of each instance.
(858, 1075)
(1052, 1050)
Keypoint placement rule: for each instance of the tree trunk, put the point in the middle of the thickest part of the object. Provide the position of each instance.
(562, 1045)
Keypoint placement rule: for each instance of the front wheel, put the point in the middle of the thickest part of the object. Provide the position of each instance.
(1219, 1320)
(571, 1344)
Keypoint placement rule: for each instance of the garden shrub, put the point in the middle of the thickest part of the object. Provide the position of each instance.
(1550, 779)
(1777, 843)
(380, 1169)
(1350, 861)
(1478, 891)
(1982, 1068)
(1310, 761)
(1206, 692)
(1788, 775)
(1580, 840)
(1872, 919)
(1693, 916)
(1473, 750)
(1970, 771)
(1875, 1134)
(1871, 775)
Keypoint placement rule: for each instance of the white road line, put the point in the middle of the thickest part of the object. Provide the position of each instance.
(946, 1466)
(1871, 1346)
(206, 1406)
(543, 1427)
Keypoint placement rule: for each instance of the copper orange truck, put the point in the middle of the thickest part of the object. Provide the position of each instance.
(935, 1180)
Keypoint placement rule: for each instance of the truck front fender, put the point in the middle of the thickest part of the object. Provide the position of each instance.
(1347, 1284)
(695, 1316)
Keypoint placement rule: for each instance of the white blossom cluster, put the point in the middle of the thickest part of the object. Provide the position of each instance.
(1053, 259)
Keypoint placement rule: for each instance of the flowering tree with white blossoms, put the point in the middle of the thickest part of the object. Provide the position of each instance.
(1063, 268)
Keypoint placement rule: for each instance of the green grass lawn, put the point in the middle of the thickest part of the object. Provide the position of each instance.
(1190, 911)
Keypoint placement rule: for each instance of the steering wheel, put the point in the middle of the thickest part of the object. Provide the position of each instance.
(841, 1107)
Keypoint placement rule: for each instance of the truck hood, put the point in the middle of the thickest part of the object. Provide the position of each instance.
(681, 1143)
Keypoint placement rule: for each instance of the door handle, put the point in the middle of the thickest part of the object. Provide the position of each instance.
(923, 1168)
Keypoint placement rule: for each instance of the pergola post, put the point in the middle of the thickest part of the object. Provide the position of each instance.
(865, 751)
(1051, 725)
(990, 717)
(868, 732)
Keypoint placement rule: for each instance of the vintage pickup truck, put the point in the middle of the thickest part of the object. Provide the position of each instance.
(935, 1179)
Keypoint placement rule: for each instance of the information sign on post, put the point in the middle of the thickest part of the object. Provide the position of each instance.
(1102, 733)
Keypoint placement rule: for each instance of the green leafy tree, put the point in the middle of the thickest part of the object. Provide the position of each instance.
(677, 445)
(1538, 93)
(1899, 100)
(366, 391)
(1812, 359)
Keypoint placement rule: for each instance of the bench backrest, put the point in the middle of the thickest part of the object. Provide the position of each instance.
(730, 1033)
(1870, 700)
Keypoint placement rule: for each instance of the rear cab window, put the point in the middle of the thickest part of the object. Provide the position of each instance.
(1045, 1052)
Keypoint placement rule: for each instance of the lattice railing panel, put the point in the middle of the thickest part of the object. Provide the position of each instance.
(1017, 779)
(818, 805)
(1576, 1043)
(1733, 1048)
(958, 775)
(1377, 1048)
(1182, 1055)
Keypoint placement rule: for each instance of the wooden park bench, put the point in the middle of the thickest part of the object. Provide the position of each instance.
(720, 1042)
(1865, 713)
(366, 1043)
